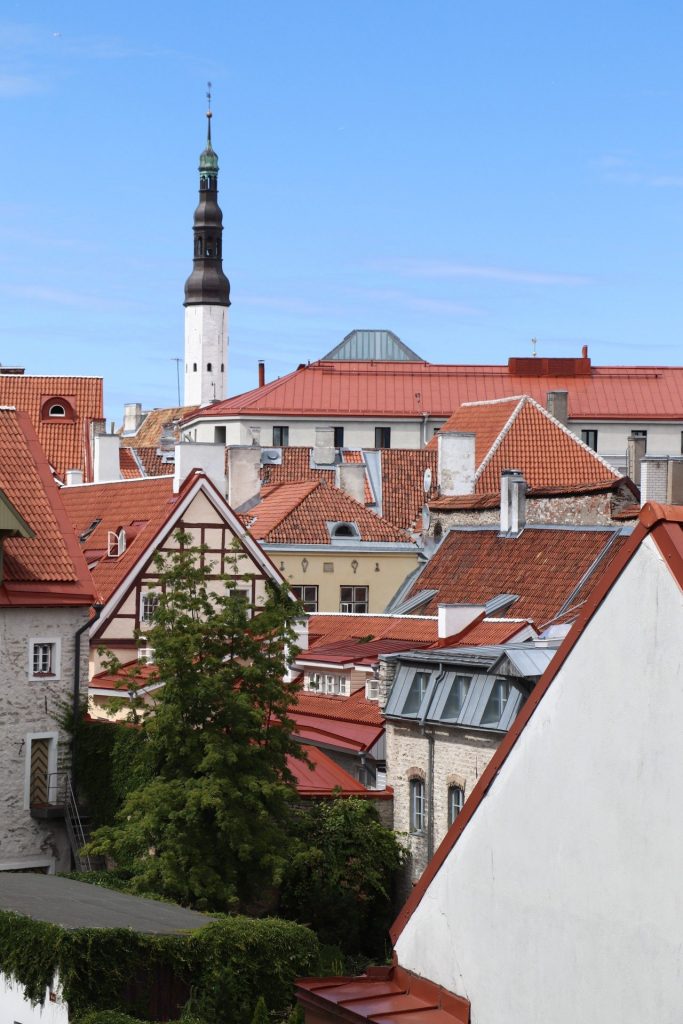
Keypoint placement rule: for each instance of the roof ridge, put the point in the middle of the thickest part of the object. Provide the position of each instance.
(493, 401)
(499, 440)
(574, 437)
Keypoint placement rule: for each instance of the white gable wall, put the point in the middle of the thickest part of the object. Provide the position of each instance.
(563, 898)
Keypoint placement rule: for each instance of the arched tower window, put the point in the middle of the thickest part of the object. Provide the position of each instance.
(208, 367)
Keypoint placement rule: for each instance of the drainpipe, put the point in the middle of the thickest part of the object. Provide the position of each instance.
(428, 731)
(425, 418)
(76, 701)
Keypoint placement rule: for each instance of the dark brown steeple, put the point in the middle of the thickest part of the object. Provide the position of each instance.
(207, 285)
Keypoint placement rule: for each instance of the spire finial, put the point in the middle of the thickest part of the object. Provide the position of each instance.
(209, 115)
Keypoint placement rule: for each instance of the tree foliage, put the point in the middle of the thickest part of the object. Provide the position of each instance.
(340, 880)
(207, 825)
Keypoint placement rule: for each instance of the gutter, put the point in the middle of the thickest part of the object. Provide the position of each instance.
(76, 696)
(428, 732)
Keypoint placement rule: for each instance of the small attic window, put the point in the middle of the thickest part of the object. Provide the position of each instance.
(116, 542)
(343, 531)
(57, 408)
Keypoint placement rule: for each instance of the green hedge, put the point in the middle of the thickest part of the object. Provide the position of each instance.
(107, 1017)
(229, 963)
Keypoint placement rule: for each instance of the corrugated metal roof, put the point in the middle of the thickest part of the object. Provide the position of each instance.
(376, 345)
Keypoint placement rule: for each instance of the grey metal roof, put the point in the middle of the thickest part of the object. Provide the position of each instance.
(527, 663)
(72, 904)
(485, 655)
(384, 346)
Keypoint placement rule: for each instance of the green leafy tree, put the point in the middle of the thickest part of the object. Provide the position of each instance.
(208, 823)
(341, 879)
(260, 1013)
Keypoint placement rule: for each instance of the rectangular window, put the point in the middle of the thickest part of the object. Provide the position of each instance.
(306, 596)
(280, 437)
(590, 438)
(337, 686)
(314, 682)
(456, 697)
(43, 659)
(338, 437)
(372, 688)
(418, 688)
(500, 694)
(417, 805)
(353, 599)
(456, 798)
(382, 437)
(148, 606)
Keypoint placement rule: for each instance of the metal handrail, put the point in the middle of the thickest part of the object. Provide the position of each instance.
(59, 793)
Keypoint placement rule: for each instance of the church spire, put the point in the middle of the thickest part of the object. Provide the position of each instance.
(207, 290)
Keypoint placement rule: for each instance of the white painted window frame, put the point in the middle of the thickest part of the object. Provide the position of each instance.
(56, 642)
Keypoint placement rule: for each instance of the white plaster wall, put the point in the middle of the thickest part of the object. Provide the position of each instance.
(31, 706)
(662, 438)
(206, 341)
(15, 1008)
(563, 899)
(357, 433)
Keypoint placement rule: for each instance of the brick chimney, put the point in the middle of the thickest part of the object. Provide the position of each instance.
(455, 463)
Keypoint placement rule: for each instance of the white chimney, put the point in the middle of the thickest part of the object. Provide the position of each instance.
(132, 417)
(453, 618)
(106, 464)
(557, 404)
(512, 502)
(209, 458)
(635, 452)
(244, 476)
(654, 474)
(324, 451)
(350, 477)
(456, 463)
(73, 477)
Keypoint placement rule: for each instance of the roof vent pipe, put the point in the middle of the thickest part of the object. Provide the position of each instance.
(512, 502)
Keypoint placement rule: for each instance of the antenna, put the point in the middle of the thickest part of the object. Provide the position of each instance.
(177, 360)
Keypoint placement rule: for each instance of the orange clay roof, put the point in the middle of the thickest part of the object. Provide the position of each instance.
(490, 631)
(323, 777)
(47, 568)
(327, 628)
(298, 513)
(356, 708)
(520, 434)
(140, 462)
(402, 389)
(295, 467)
(141, 507)
(403, 493)
(65, 441)
(150, 430)
(543, 565)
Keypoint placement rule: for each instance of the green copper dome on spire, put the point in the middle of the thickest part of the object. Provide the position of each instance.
(208, 160)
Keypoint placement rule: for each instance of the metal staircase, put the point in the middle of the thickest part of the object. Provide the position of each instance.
(52, 796)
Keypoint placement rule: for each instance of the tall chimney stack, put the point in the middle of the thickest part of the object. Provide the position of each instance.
(261, 373)
(455, 463)
(557, 404)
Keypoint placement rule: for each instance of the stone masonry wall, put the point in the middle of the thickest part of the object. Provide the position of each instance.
(32, 706)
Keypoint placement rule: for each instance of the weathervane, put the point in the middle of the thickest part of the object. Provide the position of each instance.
(534, 343)
(208, 113)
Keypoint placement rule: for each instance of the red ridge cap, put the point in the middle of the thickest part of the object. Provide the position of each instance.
(653, 512)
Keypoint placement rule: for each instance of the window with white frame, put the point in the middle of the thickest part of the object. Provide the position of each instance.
(146, 655)
(336, 685)
(353, 599)
(456, 798)
(44, 658)
(372, 688)
(315, 682)
(148, 606)
(116, 542)
(415, 696)
(307, 596)
(417, 805)
(495, 706)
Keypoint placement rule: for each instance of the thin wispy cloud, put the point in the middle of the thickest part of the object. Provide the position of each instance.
(422, 303)
(437, 269)
(14, 86)
(55, 296)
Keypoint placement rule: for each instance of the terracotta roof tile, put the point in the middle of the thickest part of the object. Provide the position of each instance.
(543, 565)
(141, 507)
(520, 434)
(356, 708)
(295, 467)
(140, 462)
(327, 628)
(491, 631)
(50, 557)
(65, 440)
(298, 514)
(150, 430)
(408, 389)
(403, 493)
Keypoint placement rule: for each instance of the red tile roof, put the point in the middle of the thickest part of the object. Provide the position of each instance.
(665, 525)
(490, 631)
(328, 628)
(47, 568)
(355, 652)
(543, 565)
(399, 389)
(298, 513)
(356, 708)
(520, 434)
(136, 462)
(150, 430)
(295, 467)
(65, 440)
(403, 478)
(141, 507)
(323, 777)
(385, 995)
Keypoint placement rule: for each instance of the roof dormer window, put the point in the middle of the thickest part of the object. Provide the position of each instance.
(116, 542)
(343, 531)
(56, 410)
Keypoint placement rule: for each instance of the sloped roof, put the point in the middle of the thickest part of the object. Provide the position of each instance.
(150, 430)
(355, 652)
(377, 345)
(401, 389)
(490, 631)
(295, 467)
(520, 434)
(327, 628)
(323, 777)
(665, 525)
(137, 462)
(47, 568)
(64, 440)
(298, 513)
(403, 478)
(141, 507)
(544, 565)
(356, 708)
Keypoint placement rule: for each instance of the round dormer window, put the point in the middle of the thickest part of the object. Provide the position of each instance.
(57, 407)
(56, 410)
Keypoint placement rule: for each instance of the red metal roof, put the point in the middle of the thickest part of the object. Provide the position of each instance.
(384, 995)
(47, 568)
(665, 524)
(323, 777)
(403, 389)
(65, 440)
(355, 652)
(344, 735)
(543, 565)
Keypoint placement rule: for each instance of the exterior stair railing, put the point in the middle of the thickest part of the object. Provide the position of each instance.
(52, 795)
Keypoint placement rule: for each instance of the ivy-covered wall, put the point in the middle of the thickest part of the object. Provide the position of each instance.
(226, 966)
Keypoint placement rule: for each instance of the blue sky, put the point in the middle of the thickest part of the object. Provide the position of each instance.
(467, 175)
